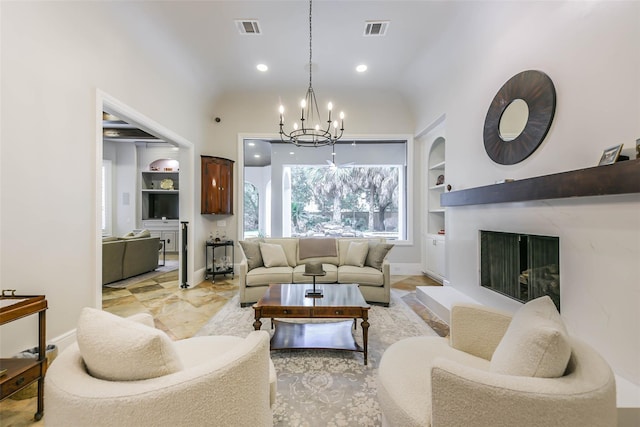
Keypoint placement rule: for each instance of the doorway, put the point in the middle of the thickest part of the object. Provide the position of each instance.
(184, 154)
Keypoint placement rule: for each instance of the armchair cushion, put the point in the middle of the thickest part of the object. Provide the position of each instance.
(118, 349)
(535, 343)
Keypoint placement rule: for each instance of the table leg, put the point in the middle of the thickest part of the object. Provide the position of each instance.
(257, 324)
(365, 334)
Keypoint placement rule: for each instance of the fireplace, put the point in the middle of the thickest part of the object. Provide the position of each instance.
(520, 266)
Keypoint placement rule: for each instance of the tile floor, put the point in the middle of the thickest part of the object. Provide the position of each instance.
(182, 312)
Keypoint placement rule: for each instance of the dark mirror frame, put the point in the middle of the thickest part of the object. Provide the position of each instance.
(537, 90)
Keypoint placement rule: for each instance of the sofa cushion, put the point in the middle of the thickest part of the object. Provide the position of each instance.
(343, 248)
(357, 253)
(117, 349)
(376, 254)
(535, 344)
(290, 246)
(262, 276)
(251, 249)
(331, 275)
(360, 275)
(273, 255)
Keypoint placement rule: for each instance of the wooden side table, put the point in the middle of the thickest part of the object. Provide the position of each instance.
(22, 372)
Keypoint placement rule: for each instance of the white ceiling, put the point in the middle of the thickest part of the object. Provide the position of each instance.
(204, 35)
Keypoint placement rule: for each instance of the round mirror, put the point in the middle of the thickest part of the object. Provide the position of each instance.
(514, 119)
(510, 137)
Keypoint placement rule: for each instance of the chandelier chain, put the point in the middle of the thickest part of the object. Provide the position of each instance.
(310, 133)
(310, 45)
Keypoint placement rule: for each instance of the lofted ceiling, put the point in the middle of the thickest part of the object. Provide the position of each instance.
(205, 35)
(204, 38)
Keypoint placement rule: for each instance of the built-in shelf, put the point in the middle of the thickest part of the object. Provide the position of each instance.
(437, 166)
(437, 187)
(441, 210)
(618, 178)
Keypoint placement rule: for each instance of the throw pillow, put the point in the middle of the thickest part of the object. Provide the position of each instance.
(273, 255)
(142, 234)
(251, 250)
(376, 254)
(535, 343)
(357, 253)
(117, 349)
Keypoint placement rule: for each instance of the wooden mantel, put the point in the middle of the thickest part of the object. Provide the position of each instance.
(619, 178)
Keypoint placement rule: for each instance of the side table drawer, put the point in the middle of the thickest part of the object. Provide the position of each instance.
(288, 311)
(20, 381)
(337, 312)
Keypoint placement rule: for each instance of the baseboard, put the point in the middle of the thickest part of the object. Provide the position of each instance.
(406, 269)
(65, 340)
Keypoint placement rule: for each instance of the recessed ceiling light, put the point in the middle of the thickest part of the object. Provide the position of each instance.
(252, 144)
(257, 156)
(262, 67)
(292, 153)
(361, 68)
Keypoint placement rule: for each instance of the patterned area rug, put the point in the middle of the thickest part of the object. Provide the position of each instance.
(327, 387)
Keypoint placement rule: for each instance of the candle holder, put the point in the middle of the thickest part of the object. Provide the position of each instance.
(314, 293)
(313, 269)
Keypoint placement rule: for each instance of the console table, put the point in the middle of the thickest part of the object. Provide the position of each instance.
(22, 372)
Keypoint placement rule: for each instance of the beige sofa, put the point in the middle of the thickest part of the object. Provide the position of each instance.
(127, 257)
(341, 262)
(497, 370)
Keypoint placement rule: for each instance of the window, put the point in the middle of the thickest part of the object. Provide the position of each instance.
(251, 211)
(355, 188)
(107, 208)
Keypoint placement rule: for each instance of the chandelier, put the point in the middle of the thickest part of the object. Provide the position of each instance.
(310, 133)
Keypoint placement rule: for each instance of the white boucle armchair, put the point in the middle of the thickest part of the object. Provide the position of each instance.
(465, 380)
(222, 381)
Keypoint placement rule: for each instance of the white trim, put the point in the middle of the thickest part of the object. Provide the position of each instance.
(434, 124)
(406, 269)
(106, 102)
(364, 137)
(65, 340)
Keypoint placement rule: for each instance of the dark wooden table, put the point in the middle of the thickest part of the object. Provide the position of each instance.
(339, 301)
(22, 372)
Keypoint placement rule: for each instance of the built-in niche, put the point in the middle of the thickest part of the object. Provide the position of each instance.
(160, 190)
(520, 266)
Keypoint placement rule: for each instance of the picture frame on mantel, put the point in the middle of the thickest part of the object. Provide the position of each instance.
(610, 155)
(638, 148)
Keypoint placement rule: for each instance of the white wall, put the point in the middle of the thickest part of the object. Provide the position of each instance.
(54, 58)
(367, 113)
(590, 51)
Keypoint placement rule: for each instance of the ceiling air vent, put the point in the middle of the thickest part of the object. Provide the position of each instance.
(375, 28)
(248, 26)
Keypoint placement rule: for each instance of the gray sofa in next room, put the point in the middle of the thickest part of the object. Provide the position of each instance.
(128, 256)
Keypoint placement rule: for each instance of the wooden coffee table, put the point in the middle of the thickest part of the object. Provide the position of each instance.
(340, 301)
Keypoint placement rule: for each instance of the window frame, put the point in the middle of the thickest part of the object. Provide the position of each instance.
(410, 177)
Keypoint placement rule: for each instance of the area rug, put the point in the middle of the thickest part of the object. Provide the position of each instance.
(170, 265)
(327, 387)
